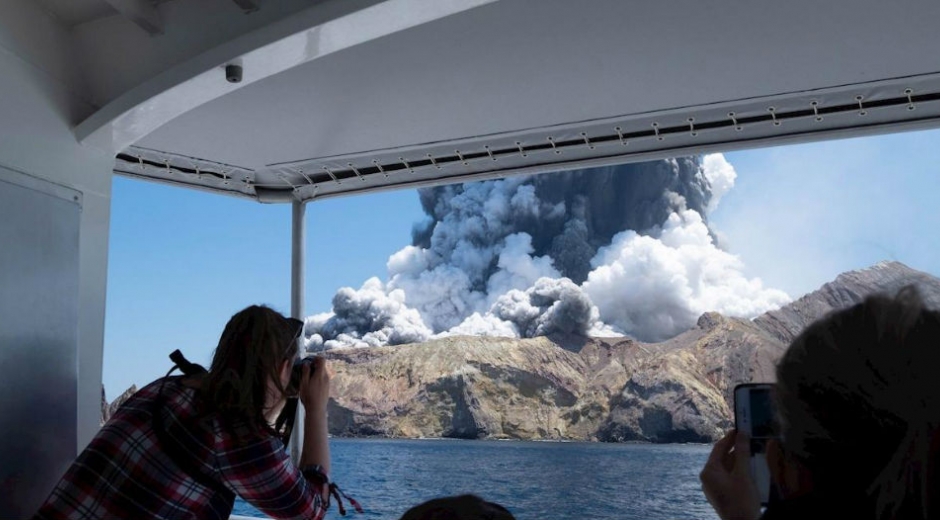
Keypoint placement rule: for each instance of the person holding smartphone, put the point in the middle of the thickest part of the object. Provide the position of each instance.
(858, 422)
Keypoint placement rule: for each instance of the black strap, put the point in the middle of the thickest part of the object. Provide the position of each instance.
(172, 448)
(187, 368)
(286, 419)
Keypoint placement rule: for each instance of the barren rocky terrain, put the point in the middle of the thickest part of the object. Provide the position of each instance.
(564, 387)
(581, 388)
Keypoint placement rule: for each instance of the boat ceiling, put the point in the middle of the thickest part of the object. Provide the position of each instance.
(73, 13)
(76, 12)
(515, 86)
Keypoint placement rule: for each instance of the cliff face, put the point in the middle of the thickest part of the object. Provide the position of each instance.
(612, 389)
(565, 387)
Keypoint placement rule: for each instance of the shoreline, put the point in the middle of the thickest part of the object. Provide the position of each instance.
(492, 440)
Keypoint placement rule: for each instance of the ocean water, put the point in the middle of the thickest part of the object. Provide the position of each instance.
(534, 480)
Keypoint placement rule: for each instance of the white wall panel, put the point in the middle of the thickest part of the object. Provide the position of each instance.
(39, 300)
(39, 105)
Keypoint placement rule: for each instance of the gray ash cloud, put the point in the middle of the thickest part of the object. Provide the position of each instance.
(573, 213)
(614, 250)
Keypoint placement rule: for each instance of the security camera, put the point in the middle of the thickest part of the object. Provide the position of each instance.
(233, 73)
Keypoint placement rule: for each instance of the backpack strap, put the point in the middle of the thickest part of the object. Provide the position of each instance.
(187, 368)
(173, 449)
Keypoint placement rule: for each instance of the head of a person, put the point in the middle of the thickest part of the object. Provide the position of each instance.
(463, 507)
(251, 365)
(858, 397)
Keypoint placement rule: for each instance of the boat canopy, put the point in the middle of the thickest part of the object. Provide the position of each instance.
(350, 97)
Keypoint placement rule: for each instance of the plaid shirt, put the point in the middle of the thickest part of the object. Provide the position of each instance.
(123, 473)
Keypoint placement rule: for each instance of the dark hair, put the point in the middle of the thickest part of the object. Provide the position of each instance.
(254, 345)
(859, 404)
(463, 507)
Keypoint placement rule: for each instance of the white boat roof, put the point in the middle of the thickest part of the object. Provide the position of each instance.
(343, 97)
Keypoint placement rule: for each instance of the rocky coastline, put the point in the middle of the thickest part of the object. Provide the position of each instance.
(581, 388)
(572, 388)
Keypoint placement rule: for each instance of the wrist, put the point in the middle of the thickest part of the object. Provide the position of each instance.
(315, 412)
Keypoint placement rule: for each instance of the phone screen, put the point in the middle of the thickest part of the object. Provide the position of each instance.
(754, 415)
(762, 416)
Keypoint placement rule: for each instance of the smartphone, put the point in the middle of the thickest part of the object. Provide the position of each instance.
(754, 415)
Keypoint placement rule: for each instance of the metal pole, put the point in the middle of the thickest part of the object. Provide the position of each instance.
(298, 245)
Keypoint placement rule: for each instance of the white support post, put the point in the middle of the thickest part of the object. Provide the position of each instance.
(298, 245)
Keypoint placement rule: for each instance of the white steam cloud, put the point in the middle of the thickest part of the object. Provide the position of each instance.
(606, 251)
(655, 287)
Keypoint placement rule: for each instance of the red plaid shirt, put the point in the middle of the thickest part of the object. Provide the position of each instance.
(123, 473)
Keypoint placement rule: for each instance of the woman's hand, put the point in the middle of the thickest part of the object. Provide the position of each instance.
(726, 479)
(315, 386)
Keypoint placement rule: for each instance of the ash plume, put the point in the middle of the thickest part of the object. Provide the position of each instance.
(569, 215)
(601, 251)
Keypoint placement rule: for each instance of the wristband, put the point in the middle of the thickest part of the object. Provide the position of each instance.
(315, 472)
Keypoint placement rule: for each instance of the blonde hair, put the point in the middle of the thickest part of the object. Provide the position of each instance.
(858, 395)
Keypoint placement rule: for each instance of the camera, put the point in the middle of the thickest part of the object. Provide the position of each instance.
(297, 371)
(233, 73)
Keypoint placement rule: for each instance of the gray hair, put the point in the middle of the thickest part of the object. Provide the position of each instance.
(858, 395)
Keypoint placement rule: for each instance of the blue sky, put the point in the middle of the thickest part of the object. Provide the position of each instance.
(182, 262)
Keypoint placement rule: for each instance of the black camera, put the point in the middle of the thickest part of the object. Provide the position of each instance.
(233, 73)
(297, 371)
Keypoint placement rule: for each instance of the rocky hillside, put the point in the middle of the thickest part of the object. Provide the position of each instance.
(107, 410)
(847, 290)
(606, 389)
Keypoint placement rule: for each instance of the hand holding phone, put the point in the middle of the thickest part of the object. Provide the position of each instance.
(726, 478)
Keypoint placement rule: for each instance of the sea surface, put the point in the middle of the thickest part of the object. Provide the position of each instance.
(534, 480)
